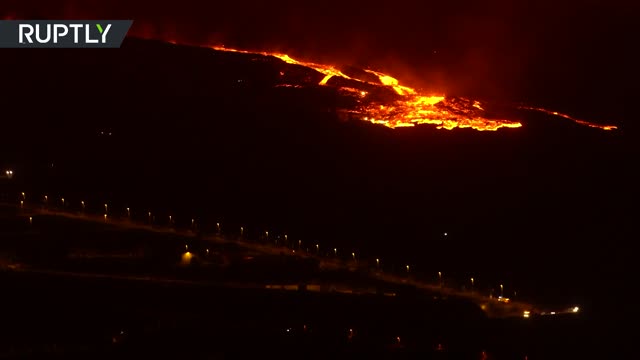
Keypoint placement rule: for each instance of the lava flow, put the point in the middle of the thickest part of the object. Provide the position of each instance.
(577, 121)
(445, 113)
(327, 70)
(411, 107)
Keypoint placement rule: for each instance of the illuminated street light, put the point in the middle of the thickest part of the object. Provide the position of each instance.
(30, 220)
(105, 217)
(440, 278)
(317, 248)
(407, 268)
(335, 251)
(299, 244)
(23, 196)
(82, 203)
(353, 255)
(186, 258)
(128, 212)
(241, 231)
(471, 284)
(501, 290)
(193, 223)
(62, 202)
(21, 204)
(106, 208)
(170, 219)
(46, 198)
(378, 263)
(149, 217)
(218, 227)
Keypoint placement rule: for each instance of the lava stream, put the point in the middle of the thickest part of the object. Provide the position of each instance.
(412, 107)
(577, 121)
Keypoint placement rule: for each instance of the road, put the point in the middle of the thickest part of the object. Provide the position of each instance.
(493, 307)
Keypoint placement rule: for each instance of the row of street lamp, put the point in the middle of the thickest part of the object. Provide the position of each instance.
(151, 219)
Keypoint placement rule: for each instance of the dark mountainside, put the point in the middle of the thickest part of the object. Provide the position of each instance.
(188, 137)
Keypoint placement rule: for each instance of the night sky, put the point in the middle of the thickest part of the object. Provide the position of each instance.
(556, 52)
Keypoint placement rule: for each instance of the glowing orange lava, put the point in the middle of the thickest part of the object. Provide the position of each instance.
(327, 70)
(394, 83)
(411, 107)
(577, 121)
(435, 110)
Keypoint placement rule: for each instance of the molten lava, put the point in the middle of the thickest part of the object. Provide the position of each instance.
(445, 113)
(577, 121)
(394, 83)
(327, 70)
(412, 108)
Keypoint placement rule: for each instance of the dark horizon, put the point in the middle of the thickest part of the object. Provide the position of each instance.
(557, 53)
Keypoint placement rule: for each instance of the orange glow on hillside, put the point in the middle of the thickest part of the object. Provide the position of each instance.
(577, 121)
(393, 82)
(435, 110)
(411, 109)
(415, 108)
(327, 70)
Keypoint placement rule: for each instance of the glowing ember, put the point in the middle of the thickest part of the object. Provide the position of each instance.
(577, 121)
